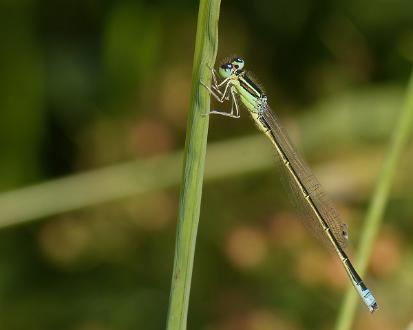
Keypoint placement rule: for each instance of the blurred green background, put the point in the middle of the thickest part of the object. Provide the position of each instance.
(90, 84)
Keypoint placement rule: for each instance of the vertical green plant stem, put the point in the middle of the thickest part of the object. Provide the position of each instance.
(194, 159)
(378, 204)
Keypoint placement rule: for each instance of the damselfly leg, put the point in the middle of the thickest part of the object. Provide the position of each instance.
(221, 96)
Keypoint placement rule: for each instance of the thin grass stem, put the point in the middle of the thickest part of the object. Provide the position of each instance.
(378, 204)
(225, 159)
(194, 162)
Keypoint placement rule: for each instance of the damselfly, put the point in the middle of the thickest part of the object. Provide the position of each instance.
(317, 212)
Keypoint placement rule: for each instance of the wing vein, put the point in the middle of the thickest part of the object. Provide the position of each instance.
(306, 182)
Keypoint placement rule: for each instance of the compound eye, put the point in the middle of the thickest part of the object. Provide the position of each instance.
(226, 66)
(225, 70)
(238, 62)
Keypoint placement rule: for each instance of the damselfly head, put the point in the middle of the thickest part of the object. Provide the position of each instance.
(226, 70)
(238, 63)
